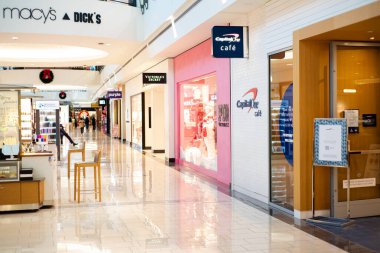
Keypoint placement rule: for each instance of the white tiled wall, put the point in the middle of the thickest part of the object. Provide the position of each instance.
(270, 29)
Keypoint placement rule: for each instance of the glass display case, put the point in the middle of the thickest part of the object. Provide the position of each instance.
(26, 120)
(9, 171)
(47, 124)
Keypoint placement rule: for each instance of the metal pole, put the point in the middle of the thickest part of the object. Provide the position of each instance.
(312, 192)
(348, 193)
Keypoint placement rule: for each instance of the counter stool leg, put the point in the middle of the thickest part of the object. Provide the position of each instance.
(95, 183)
(68, 164)
(79, 167)
(99, 184)
(75, 182)
(83, 159)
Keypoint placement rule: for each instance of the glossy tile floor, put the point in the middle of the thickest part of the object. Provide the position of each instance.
(147, 207)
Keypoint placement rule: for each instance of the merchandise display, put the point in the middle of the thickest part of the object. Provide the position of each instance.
(26, 120)
(197, 119)
(48, 125)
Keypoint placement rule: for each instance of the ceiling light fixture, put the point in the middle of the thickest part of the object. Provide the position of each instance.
(372, 38)
(47, 53)
(15, 38)
(349, 90)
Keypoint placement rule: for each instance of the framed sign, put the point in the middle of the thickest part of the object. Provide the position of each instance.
(153, 78)
(330, 142)
(228, 41)
(352, 117)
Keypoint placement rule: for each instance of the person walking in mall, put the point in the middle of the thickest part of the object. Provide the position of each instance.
(87, 123)
(81, 126)
(64, 133)
(93, 122)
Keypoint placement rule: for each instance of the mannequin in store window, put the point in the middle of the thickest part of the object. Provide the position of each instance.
(208, 130)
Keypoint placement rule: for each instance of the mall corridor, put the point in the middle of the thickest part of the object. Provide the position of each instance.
(147, 207)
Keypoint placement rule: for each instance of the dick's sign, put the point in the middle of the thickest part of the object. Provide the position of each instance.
(228, 41)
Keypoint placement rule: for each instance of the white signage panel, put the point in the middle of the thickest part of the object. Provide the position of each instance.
(361, 182)
(330, 142)
(47, 105)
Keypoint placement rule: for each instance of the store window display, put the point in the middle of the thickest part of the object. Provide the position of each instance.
(281, 124)
(197, 122)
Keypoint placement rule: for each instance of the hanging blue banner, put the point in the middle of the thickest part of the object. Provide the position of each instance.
(227, 42)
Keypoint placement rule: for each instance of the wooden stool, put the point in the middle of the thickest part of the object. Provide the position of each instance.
(76, 150)
(97, 176)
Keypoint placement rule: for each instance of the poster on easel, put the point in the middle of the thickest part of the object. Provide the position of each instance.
(9, 118)
(330, 142)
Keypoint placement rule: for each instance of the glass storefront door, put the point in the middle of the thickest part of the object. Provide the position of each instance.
(356, 94)
(281, 128)
(137, 120)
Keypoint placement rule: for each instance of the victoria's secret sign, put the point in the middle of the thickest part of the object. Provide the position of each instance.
(154, 78)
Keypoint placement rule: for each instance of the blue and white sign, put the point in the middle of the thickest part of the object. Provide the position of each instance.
(228, 41)
(330, 142)
(47, 105)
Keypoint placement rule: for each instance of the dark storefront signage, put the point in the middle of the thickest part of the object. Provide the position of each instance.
(250, 103)
(46, 76)
(45, 15)
(228, 42)
(114, 94)
(153, 78)
(102, 101)
(224, 115)
(369, 120)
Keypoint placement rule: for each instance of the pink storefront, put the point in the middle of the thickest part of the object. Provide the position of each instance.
(203, 139)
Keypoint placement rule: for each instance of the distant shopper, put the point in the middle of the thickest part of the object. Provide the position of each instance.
(93, 122)
(87, 123)
(81, 125)
(64, 133)
(75, 122)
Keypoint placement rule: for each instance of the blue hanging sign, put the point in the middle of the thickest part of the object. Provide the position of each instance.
(228, 42)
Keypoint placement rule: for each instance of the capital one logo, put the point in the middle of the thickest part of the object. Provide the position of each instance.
(230, 37)
(30, 14)
(249, 101)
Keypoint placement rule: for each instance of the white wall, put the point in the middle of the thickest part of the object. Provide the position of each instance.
(158, 13)
(271, 28)
(161, 98)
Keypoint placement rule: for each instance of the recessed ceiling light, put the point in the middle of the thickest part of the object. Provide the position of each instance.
(15, 38)
(349, 90)
(107, 44)
(372, 38)
(47, 53)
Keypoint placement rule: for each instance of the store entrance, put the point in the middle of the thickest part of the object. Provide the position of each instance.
(355, 91)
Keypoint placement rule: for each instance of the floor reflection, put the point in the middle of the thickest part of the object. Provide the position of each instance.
(146, 207)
